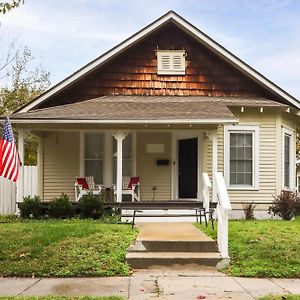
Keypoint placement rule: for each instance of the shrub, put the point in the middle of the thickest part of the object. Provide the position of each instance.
(61, 207)
(284, 205)
(91, 206)
(31, 207)
(297, 207)
(248, 209)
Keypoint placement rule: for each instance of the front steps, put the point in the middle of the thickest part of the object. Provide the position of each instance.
(172, 244)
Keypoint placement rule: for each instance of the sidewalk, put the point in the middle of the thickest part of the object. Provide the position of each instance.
(161, 284)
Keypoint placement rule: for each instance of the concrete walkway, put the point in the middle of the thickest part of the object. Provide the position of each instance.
(154, 284)
(170, 232)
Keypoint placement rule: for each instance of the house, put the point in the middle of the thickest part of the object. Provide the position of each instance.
(168, 104)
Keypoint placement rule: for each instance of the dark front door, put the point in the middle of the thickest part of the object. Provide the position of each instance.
(188, 168)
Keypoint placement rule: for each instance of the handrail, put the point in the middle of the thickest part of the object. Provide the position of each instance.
(223, 207)
(222, 191)
(205, 191)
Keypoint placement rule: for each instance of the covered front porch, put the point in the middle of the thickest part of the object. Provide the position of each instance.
(169, 162)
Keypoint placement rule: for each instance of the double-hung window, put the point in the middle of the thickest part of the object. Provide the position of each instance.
(241, 156)
(94, 156)
(287, 159)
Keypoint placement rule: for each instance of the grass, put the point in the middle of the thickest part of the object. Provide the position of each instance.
(268, 248)
(280, 297)
(60, 298)
(63, 248)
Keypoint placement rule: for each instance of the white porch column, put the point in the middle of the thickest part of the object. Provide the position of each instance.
(20, 181)
(214, 164)
(212, 135)
(40, 166)
(119, 136)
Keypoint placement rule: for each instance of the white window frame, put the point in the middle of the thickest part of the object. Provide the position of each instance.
(289, 132)
(170, 54)
(254, 129)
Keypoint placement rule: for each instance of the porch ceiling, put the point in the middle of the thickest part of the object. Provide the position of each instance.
(143, 109)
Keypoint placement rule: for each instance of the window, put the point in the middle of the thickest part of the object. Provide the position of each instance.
(241, 156)
(127, 157)
(170, 62)
(94, 156)
(287, 159)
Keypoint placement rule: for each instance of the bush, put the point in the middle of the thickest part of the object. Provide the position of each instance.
(91, 206)
(31, 207)
(61, 207)
(297, 207)
(248, 209)
(284, 205)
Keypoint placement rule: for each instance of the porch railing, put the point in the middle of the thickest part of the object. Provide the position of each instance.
(206, 186)
(223, 207)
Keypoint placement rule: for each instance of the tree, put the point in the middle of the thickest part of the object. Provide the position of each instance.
(22, 82)
(7, 6)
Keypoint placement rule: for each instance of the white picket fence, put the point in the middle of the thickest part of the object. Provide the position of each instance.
(8, 190)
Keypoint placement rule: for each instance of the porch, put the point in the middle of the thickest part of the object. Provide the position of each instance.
(169, 162)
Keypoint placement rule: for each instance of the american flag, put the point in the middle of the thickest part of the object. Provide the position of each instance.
(9, 157)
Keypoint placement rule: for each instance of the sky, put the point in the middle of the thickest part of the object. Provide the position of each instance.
(65, 35)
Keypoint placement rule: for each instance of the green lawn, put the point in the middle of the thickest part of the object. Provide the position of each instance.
(281, 297)
(266, 248)
(60, 298)
(64, 248)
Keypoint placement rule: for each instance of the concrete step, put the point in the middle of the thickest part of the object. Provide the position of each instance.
(144, 260)
(174, 246)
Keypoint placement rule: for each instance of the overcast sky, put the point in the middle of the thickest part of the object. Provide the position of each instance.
(65, 35)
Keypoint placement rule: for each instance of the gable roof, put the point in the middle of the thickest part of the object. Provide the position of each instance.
(189, 29)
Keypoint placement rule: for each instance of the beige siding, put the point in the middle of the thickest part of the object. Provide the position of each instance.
(268, 155)
(150, 173)
(61, 163)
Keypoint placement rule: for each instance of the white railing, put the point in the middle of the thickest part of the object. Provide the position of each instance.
(223, 206)
(8, 190)
(206, 186)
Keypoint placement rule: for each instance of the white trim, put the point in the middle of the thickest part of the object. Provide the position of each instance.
(108, 162)
(255, 151)
(190, 29)
(289, 132)
(81, 153)
(40, 166)
(134, 154)
(173, 121)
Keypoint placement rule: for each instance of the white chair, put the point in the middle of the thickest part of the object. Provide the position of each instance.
(85, 185)
(130, 186)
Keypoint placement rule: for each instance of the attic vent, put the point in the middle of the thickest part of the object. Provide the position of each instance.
(170, 62)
